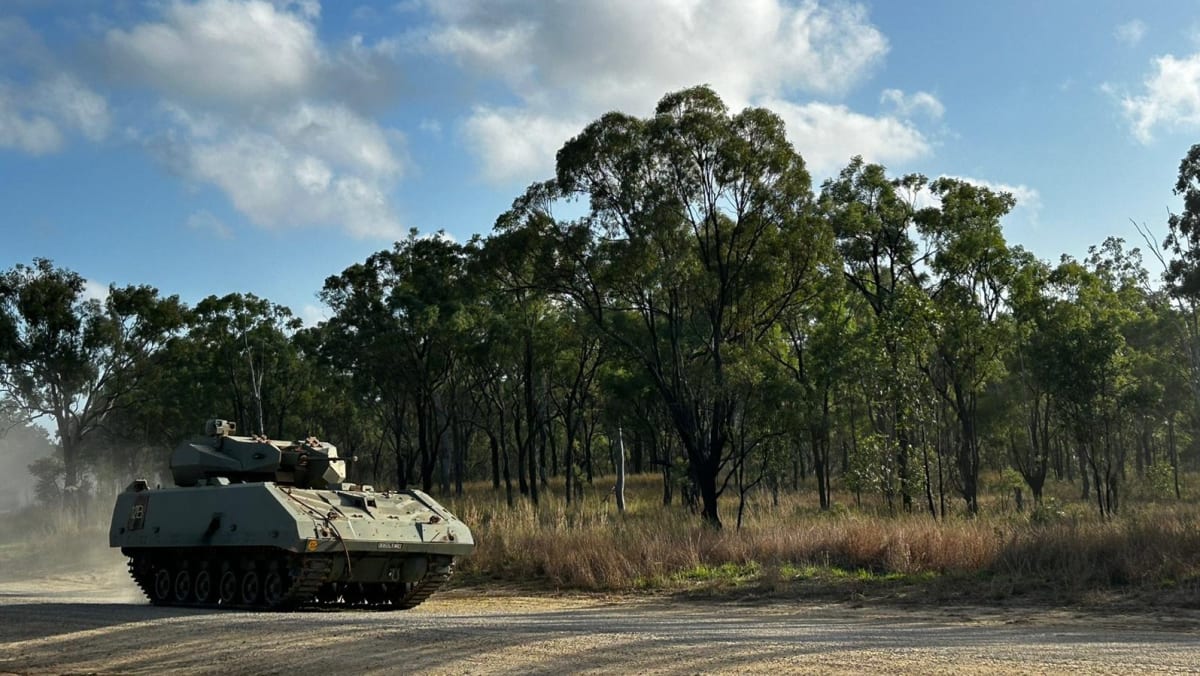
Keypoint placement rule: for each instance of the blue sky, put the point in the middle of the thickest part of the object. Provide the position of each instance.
(211, 146)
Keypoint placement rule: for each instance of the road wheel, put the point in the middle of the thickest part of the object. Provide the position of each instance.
(202, 586)
(183, 586)
(250, 589)
(228, 588)
(274, 588)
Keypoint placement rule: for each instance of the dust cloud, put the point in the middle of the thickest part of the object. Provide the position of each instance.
(54, 547)
(20, 446)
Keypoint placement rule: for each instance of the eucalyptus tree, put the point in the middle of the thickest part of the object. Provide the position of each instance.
(515, 260)
(970, 272)
(393, 327)
(1182, 242)
(488, 352)
(873, 218)
(329, 407)
(577, 353)
(76, 359)
(246, 343)
(817, 347)
(698, 235)
(1026, 391)
(1085, 362)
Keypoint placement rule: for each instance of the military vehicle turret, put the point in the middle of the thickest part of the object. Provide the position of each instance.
(257, 523)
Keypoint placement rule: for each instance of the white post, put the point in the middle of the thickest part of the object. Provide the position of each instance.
(619, 489)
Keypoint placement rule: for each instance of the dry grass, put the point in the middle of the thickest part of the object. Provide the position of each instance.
(1063, 549)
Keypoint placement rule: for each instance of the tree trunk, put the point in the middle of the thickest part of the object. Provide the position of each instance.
(707, 483)
(495, 446)
(1173, 453)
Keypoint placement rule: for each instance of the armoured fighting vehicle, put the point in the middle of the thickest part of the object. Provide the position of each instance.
(257, 523)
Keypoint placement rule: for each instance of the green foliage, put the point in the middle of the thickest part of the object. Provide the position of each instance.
(1160, 480)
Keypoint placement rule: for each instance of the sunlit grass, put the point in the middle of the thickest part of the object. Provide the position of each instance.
(1064, 546)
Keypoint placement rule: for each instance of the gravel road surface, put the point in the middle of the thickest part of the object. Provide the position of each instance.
(97, 623)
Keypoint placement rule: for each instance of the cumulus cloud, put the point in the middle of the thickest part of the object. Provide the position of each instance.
(517, 141)
(245, 53)
(1171, 98)
(310, 165)
(221, 50)
(827, 136)
(254, 103)
(567, 63)
(1130, 33)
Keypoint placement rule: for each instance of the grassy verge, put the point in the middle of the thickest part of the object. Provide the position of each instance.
(1058, 554)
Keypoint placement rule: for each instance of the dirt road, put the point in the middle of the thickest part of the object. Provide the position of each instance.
(96, 623)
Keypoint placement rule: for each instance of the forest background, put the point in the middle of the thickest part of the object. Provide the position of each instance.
(854, 381)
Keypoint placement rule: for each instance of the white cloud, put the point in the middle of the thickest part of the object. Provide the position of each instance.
(1171, 98)
(518, 142)
(76, 106)
(221, 50)
(312, 165)
(312, 315)
(93, 290)
(628, 52)
(567, 63)
(827, 136)
(207, 223)
(909, 105)
(24, 131)
(1130, 33)
(256, 105)
(241, 54)
(35, 119)
(340, 136)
